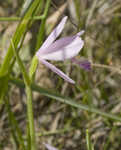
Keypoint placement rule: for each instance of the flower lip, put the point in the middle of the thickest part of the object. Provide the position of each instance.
(58, 44)
(60, 51)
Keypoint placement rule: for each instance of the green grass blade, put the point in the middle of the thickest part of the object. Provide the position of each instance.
(23, 25)
(17, 37)
(88, 141)
(66, 100)
(26, 5)
(42, 26)
(14, 126)
(4, 19)
(22, 68)
(29, 99)
(3, 86)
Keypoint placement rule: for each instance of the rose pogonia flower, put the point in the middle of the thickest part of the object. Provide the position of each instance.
(60, 50)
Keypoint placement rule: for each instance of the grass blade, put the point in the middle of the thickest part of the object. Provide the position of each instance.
(23, 25)
(14, 126)
(66, 100)
(29, 99)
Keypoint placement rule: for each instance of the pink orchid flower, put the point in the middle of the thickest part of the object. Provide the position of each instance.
(60, 50)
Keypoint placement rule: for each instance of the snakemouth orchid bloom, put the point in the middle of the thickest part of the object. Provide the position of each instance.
(62, 49)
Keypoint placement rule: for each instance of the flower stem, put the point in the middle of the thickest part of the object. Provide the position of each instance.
(29, 99)
(39, 40)
(30, 117)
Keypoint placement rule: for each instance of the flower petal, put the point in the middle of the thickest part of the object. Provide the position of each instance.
(49, 147)
(56, 70)
(82, 63)
(80, 33)
(62, 49)
(54, 34)
(57, 45)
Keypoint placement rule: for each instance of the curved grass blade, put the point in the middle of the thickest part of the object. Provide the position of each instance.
(66, 100)
(16, 132)
(29, 99)
(22, 27)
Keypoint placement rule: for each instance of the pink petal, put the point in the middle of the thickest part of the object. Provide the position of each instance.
(62, 49)
(54, 34)
(82, 63)
(56, 70)
(49, 147)
(57, 45)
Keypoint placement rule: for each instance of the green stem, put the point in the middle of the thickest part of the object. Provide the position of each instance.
(23, 25)
(31, 117)
(42, 26)
(39, 40)
(24, 72)
(88, 141)
(19, 18)
(33, 67)
(29, 99)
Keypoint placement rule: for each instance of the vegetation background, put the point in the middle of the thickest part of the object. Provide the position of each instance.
(84, 116)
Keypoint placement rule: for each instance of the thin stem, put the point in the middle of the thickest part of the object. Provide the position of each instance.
(19, 18)
(52, 133)
(14, 126)
(24, 72)
(39, 40)
(30, 117)
(23, 25)
(33, 67)
(29, 99)
(113, 68)
(88, 141)
(61, 131)
(91, 11)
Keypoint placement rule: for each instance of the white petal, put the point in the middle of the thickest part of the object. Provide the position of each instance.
(54, 34)
(49, 147)
(57, 45)
(56, 70)
(67, 52)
